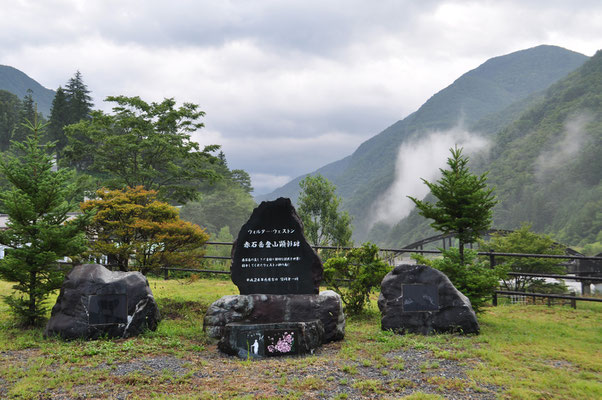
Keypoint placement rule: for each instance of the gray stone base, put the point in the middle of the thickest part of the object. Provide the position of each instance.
(271, 308)
(271, 340)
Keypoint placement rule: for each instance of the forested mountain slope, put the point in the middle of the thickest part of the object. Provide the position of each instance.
(494, 86)
(546, 166)
(14, 81)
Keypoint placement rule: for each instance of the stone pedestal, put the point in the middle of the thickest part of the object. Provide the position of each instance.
(326, 307)
(247, 340)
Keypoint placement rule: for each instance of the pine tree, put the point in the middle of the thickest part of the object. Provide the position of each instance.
(464, 203)
(28, 112)
(10, 106)
(59, 118)
(38, 233)
(78, 95)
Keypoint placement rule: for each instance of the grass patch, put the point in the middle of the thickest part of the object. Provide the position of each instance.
(526, 352)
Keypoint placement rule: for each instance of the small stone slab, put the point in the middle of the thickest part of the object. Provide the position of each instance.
(247, 340)
(271, 255)
(420, 299)
(107, 309)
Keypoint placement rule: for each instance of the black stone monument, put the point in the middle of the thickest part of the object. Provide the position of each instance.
(279, 310)
(271, 255)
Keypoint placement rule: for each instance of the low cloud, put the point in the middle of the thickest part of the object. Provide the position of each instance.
(279, 156)
(263, 183)
(421, 158)
(573, 138)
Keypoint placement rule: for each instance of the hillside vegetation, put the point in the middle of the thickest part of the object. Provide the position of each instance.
(547, 165)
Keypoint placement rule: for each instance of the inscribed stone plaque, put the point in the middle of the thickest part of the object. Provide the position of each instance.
(280, 342)
(105, 309)
(271, 255)
(420, 298)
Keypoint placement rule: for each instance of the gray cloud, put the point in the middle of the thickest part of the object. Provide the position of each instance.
(287, 86)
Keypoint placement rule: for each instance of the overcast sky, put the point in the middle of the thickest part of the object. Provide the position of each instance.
(288, 86)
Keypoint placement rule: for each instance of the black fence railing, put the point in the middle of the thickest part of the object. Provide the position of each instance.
(549, 296)
(492, 261)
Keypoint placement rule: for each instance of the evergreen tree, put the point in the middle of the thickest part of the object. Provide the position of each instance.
(318, 208)
(10, 107)
(464, 203)
(28, 112)
(38, 233)
(243, 179)
(59, 117)
(78, 95)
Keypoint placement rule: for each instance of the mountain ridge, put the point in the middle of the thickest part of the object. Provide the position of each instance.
(493, 86)
(17, 82)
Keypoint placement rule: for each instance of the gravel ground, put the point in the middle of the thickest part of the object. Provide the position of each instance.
(322, 376)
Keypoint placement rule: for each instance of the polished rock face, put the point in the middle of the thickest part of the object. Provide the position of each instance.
(271, 339)
(96, 302)
(271, 255)
(420, 299)
(269, 308)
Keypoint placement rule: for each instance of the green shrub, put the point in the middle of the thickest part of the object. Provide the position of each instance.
(475, 279)
(354, 275)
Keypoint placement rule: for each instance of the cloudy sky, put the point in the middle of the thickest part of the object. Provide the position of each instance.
(288, 86)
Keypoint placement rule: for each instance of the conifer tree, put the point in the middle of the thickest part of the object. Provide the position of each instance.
(38, 233)
(59, 117)
(464, 203)
(10, 106)
(78, 95)
(28, 112)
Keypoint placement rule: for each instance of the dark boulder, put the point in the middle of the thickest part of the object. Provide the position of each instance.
(270, 308)
(420, 299)
(95, 302)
